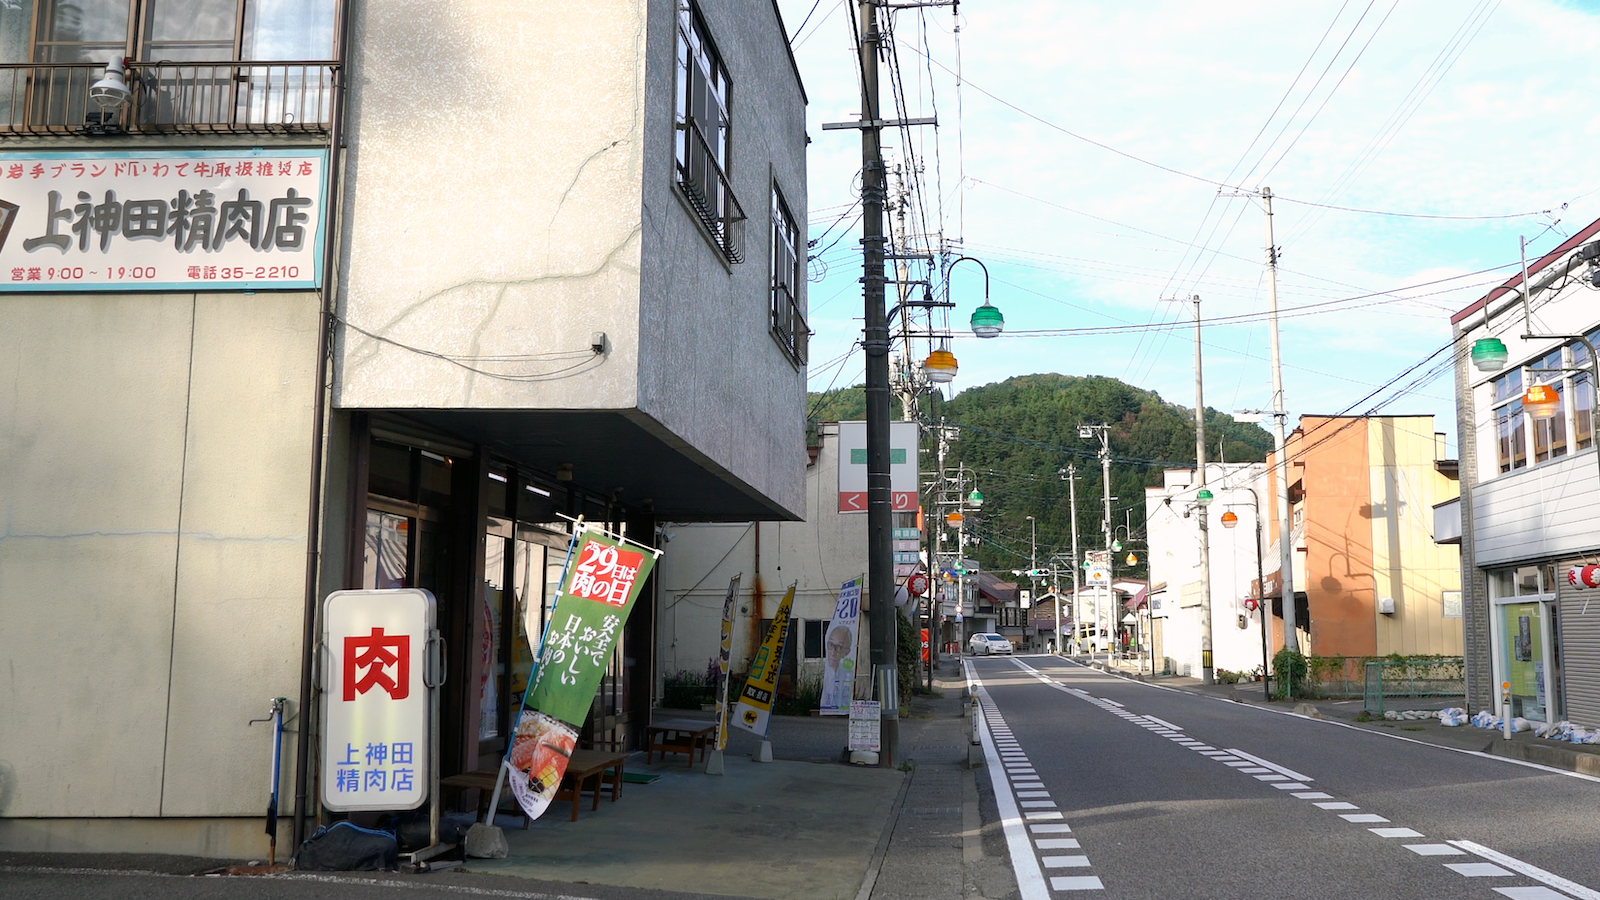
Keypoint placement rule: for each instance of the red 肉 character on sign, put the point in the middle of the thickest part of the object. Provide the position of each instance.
(377, 654)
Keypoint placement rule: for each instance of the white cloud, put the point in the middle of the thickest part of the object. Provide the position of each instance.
(1188, 86)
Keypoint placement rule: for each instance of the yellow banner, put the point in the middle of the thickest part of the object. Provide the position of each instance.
(755, 702)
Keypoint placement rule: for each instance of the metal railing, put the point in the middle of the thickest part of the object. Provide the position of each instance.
(1433, 677)
(240, 96)
(706, 185)
(789, 326)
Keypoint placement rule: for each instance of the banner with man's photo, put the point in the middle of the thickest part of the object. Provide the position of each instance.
(839, 646)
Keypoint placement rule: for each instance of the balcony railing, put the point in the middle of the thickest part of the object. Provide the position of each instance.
(280, 97)
(706, 186)
(789, 326)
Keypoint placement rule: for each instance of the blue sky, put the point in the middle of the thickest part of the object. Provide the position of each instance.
(1081, 159)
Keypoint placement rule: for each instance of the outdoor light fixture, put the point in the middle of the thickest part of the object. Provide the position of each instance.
(1542, 401)
(1204, 497)
(940, 366)
(111, 91)
(954, 519)
(1229, 520)
(975, 498)
(1131, 560)
(986, 320)
(1116, 546)
(1489, 354)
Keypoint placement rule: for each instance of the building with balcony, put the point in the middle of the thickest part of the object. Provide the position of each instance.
(306, 296)
(1528, 473)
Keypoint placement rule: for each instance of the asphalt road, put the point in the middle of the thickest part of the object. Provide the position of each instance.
(1119, 789)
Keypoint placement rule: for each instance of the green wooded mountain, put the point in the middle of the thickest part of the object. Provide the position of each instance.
(1019, 438)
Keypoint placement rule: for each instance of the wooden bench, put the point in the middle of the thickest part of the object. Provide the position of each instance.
(591, 764)
(584, 766)
(483, 782)
(678, 736)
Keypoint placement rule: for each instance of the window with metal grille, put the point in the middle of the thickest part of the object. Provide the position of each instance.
(703, 135)
(788, 322)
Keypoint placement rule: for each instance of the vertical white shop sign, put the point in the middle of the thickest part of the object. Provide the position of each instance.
(375, 699)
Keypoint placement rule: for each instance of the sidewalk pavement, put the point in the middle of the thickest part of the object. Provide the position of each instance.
(1583, 758)
(805, 825)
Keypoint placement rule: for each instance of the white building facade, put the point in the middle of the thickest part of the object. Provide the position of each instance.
(1528, 483)
(1177, 597)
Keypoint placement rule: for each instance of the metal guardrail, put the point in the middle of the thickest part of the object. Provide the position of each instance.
(708, 190)
(236, 96)
(1443, 677)
(790, 326)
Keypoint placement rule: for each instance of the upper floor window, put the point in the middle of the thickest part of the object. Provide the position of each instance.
(702, 135)
(1506, 391)
(224, 64)
(1583, 395)
(1523, 439)
(1549, 435)
(788, 323)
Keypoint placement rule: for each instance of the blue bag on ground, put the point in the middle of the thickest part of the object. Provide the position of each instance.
(343, 847)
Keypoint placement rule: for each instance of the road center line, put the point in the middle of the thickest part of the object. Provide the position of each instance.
(1283, 770)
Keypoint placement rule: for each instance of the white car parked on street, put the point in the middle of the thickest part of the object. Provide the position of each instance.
(983, 644)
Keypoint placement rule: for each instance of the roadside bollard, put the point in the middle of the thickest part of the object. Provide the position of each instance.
(1505, 709)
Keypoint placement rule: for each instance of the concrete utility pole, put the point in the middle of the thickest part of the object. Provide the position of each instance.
(1033, 567)
(1104, 433)
(1072, 500)
(875, 341)
(1291, 639)
(1206, 674)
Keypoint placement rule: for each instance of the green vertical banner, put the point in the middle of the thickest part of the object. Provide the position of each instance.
(597, 593)
(754, 708)
(596, 597)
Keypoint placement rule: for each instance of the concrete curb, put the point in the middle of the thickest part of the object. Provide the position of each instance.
(1526, 748)
(875, 865)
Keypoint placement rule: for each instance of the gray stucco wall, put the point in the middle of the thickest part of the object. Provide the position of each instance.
(492, 204)
(709, 369)
(510, 192)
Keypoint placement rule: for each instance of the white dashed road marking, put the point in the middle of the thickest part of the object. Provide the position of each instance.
(1498, 865)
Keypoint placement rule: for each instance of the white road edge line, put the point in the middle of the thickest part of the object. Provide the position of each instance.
(1284, 712)
(1024, 863)
(1530, 870)
(1282, 770)
(1162, 722)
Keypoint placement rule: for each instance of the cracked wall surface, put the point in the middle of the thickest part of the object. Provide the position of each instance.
(510, 190)
(152, 542)
(492, 205)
